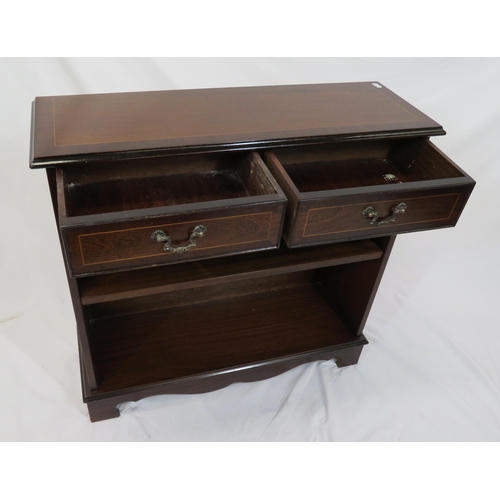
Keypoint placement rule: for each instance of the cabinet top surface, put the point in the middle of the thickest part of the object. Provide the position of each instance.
(73, 128)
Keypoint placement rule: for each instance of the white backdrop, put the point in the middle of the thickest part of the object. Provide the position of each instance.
(430, 372)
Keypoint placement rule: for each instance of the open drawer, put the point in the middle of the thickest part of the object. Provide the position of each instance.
(362, 189)
(136, 213)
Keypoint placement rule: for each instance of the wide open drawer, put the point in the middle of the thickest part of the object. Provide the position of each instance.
(138, 213)
(362, 189)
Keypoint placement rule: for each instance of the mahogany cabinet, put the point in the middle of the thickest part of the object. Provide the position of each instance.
(227, 235)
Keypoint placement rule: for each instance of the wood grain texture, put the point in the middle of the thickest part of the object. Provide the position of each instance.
(67, 127)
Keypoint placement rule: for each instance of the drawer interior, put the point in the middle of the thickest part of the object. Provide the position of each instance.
(364, 163)
(157, 182)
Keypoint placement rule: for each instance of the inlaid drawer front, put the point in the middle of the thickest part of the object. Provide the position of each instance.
(351, 190)
(203, 207)
(382, 216)
(123, 247)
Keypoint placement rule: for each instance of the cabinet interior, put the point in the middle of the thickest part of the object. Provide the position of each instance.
(364, 163)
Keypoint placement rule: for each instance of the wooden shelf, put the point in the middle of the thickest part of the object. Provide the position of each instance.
(137, 350)
(142, 282)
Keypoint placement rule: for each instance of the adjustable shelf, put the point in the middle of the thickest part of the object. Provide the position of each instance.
(116, 286)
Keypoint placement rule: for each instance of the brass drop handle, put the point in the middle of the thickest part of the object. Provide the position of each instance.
(160, 237)
(369, 213)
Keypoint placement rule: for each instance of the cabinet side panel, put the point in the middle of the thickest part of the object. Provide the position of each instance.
(82, 320)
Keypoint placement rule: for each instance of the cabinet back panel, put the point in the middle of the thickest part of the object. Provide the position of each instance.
(201, 294)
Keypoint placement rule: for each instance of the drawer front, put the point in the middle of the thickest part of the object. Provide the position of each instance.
(142, 243)
(376, 215)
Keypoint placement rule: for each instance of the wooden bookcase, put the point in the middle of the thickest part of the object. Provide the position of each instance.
(227, 235)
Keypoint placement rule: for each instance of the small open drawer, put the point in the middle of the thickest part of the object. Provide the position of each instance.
(361, 189)
(135, 213)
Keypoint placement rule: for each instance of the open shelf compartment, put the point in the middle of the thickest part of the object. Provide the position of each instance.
(226, 323)
(154, 346)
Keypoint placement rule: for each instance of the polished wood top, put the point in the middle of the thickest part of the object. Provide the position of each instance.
(73, 128)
